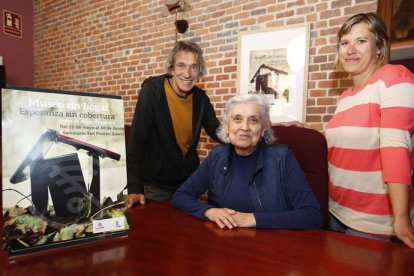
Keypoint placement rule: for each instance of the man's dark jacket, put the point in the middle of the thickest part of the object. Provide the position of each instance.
(153, 155)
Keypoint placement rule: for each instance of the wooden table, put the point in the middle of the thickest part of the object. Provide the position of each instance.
(165, 241)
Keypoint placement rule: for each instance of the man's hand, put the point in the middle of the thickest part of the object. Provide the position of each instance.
(293, 123)
(135, 198)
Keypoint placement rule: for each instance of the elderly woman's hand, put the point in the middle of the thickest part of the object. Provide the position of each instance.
(244, 219)
(223, 217)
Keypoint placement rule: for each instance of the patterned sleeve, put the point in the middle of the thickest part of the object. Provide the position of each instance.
(397, 124)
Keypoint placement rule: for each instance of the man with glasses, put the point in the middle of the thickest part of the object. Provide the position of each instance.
(163, 139)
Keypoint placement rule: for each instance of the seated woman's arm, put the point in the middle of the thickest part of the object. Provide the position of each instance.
(186, 197)
(305, 211)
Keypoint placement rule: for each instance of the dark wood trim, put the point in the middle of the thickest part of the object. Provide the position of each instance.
(384, 9)
(404, 48)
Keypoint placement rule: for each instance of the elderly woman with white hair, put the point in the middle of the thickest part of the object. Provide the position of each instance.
(251, 181)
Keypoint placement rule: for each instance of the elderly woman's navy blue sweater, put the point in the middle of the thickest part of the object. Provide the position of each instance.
(279, 194)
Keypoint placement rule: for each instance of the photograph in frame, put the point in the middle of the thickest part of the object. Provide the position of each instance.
(274, 62)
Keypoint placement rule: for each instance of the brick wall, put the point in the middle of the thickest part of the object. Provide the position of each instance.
(111, 46)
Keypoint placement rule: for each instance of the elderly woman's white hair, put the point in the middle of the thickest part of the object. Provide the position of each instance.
(264, 107)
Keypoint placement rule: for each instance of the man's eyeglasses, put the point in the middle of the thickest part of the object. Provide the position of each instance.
(195, 68)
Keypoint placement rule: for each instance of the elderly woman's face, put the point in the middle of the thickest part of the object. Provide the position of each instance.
(245, 127)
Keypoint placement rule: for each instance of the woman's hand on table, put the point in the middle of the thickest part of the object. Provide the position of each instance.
(223, 217)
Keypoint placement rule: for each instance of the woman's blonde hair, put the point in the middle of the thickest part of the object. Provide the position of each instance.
(376, 26)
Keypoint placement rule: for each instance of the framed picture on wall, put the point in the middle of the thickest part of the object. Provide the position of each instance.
(274, 62)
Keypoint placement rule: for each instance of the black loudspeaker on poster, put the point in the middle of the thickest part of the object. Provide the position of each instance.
(63, 169)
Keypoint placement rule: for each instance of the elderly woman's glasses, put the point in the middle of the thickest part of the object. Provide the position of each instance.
(251, 121)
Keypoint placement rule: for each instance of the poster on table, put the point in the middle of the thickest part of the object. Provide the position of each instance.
(63, 169)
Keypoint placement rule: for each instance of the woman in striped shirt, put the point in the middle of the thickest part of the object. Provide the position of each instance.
(370, 137)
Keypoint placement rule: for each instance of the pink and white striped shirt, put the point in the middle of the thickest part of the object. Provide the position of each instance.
(370, 142)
